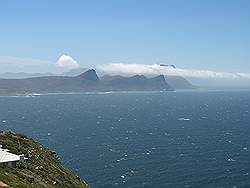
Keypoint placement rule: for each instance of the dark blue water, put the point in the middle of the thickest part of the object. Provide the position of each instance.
(175, 139)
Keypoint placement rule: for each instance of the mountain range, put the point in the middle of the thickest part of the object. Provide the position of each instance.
(21, 75)
(90, 82)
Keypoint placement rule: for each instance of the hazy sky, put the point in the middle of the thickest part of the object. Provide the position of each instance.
(197, 34)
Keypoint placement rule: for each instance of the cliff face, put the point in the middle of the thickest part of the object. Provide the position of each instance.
(43, 168)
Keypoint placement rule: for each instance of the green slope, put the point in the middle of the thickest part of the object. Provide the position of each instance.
(42, 169)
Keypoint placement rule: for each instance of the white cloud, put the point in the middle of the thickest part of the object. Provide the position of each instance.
(67, 62)
(155, 69)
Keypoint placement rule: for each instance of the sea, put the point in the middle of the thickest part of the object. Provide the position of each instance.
(141, 139)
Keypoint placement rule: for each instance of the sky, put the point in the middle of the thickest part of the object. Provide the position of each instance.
(45, 35)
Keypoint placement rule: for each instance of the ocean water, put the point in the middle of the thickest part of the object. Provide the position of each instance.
(172, 139)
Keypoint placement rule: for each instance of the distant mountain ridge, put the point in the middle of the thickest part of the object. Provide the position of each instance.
(174, 82)
(85, 82)
(137, 82)
(21, 75)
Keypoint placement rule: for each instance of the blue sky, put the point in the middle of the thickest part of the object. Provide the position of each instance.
(199, 34)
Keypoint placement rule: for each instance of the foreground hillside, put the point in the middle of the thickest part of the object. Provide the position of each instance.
(43, 168)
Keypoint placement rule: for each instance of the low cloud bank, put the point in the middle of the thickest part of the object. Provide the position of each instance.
(28, 65)
(67, 62)
(155, 69)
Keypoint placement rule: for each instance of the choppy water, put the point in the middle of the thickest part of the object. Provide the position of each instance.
(175, 139)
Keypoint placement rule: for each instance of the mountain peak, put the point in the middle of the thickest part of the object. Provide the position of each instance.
(160, 77)
(89, 75)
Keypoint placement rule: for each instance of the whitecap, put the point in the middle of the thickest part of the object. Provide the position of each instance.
(121, 159)
(231, 160)
(184, 119)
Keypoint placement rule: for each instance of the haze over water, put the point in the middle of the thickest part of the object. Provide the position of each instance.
(144, 139)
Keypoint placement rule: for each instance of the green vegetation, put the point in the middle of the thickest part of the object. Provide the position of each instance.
(42, 169)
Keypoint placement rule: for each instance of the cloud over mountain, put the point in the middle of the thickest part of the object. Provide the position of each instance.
(67, 62)
(155, 69)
